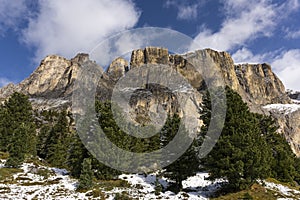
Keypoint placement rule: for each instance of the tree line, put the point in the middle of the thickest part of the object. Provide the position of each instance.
(248, 149)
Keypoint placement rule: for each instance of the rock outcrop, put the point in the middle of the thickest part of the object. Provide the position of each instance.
(150, 55)
(118, 68)
(288, 119)
(51, 84)
(257, 84)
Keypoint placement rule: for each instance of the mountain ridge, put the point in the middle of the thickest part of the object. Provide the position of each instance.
(50, 86)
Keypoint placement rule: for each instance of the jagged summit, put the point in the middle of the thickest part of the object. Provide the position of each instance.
(53, 78)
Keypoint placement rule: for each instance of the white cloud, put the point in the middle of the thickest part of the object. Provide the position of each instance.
(69, 27)
(244, 55)
(4, 81)
(287, 67)
(11, 13)
(185, 10)
(245, 20)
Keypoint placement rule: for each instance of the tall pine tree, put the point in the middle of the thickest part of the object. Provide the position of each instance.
(18, 132)
(241, 154)
(58, 141)
(86, 176)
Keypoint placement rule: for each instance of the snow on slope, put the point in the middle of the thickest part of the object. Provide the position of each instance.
(285, 191)
(199, 188)
(29, 185)
(283, 108)
(296, 101)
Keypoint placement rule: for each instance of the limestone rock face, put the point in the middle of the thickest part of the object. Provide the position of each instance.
(288, 121)
(51, 78)
(271, 88)
(150, 55)
(118, 68)
(137, 58)
(256, 83)
(7, 90)
(52, 81)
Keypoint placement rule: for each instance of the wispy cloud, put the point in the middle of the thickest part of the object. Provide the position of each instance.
(186, 10)
(292, 34)
(244, 55)
(69, 27)
(4, 81)
(287, 67)
(244, 21)
(11, 14)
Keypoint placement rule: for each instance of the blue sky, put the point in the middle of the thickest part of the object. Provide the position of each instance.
(252, 31)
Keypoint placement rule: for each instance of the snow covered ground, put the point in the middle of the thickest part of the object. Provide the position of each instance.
(32, 184)
(197, 186)
(29, 185)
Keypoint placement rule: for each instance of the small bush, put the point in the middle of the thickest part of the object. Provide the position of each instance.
(247, 196)
(122, 196)
(44, 173)
(158, 188)
(4, 155)
(7, 173)
(98, 193)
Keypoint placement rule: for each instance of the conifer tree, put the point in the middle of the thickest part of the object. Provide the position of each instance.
(57, 144)
(16, 111)
(76, 155)
(188, 163)
(17, 148)
(241, 154)
(18, 133)
(86, 176)
(42, 141)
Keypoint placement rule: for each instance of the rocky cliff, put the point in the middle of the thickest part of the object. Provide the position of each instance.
(50, 86)
(257, 84)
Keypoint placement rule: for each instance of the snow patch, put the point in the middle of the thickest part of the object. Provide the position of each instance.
(30, 185)
(196, 187)
(295, 101)
(286, 191)
(283, 108)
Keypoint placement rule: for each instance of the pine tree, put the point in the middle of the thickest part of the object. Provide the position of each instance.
(14, 112)
(86, 176)
(4, 133)
(42, 141)
(76, 155)
(18, 133)
(241, 154)
(188, 163)
(297, 168)
(17, 148)
(58, 141)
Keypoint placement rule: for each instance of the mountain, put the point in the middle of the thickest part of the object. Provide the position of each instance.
(51, 86)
